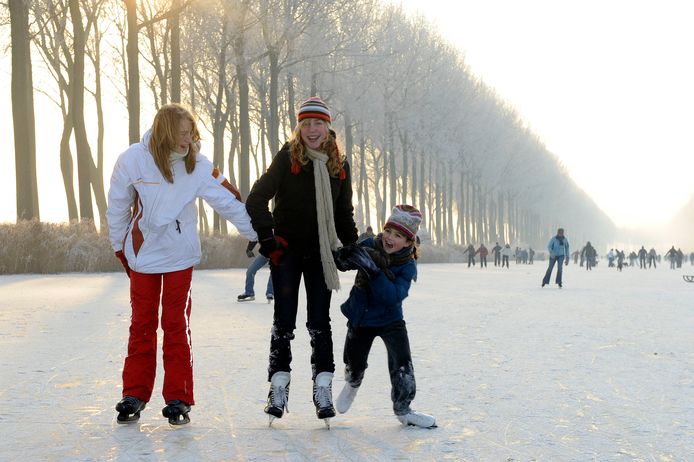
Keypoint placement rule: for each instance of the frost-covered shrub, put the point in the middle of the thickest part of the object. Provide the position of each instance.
(35, 247)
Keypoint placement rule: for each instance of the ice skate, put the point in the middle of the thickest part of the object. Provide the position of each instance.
(245, 298)
(129, 409)
(688, 278)
(177, 412)
(417, 419)
(323, 397)
(278, 396)
(270, 298)
(346, 398)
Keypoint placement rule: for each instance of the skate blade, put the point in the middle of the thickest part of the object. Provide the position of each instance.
(326, 421)
(125, 419)
(183, 419)
(417, 426)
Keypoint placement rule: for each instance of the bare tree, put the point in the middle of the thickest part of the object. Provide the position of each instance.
(23, 112)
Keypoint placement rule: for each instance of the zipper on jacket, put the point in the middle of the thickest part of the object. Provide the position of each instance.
(178, 226)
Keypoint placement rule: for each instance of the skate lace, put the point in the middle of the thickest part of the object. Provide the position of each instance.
(279, 396)
(323, 396)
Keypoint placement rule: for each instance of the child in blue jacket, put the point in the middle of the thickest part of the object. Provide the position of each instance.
(387, 267)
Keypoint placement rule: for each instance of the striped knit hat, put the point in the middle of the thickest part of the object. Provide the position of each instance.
(405, 219)
(314, 107)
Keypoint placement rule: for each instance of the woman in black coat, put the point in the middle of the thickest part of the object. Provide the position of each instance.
(310, 183)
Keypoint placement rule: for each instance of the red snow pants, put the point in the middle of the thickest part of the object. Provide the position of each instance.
(146, 292)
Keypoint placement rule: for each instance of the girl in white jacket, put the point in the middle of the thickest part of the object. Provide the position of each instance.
(152, 220)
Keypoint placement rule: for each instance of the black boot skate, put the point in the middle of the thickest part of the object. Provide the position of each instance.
(129, 409)
(177, 412)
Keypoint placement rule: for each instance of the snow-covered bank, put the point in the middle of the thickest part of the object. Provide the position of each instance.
(599, 370)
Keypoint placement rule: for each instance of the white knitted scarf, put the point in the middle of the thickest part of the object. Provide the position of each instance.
(327, 235)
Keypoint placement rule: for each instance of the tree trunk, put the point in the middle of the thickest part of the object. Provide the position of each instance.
(349, 139)
(291, 103)
(363, 188)
(392, 174)
(175, 52)
(23, 112)
(404, 141)
(66, 168)
(97, 171)
(273, 119)
(423, 195)
(133, 53)
(84, 154)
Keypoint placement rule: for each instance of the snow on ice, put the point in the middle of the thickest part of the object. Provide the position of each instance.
(602, 369)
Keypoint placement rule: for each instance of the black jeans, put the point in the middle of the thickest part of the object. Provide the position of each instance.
(357, 347)
(286, 280)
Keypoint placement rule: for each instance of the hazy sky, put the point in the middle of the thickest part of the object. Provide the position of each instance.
(607, 84)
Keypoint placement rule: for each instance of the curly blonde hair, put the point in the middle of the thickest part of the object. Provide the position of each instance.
(297, 150)
(164, 135)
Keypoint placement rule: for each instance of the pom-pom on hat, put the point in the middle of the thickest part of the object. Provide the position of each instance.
(405, 219)
(314, 107)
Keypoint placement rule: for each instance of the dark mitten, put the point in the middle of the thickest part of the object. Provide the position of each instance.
(361, 259)
(124, 261)
(341, 257)
(249, 249)
(381, 260)
(274, 248)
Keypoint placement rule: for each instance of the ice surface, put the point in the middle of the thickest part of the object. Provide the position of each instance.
(602, 369)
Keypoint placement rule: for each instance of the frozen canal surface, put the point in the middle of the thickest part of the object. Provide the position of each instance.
(600, 370)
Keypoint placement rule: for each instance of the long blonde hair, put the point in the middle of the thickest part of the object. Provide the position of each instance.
(164, 135)
(297, 150)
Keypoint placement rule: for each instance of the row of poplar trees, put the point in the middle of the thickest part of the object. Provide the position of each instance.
(416, 125)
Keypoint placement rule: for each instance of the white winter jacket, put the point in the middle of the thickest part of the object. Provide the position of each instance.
(154, 222)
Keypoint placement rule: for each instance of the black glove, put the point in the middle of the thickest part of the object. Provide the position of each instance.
(273, 248)
(361, 259)
(249, 249)
(381, 260)
(341, 257)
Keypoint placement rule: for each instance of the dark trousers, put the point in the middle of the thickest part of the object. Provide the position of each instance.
(552, 260)
(357, 347)
(470, 260)
(483, 262)
(497, 259)
(504, 262)
(286, 280)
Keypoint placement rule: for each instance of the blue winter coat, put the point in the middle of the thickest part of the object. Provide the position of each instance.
(556, 248)
(380, 302)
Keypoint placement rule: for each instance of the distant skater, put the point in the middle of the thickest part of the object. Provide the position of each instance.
(652, 257)
(589, 254)
(558, 250)
(470, 251)
(672, 256)
(483, 252)
(258, 262)
(505, 255)
(642, 257)
(496, 251)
